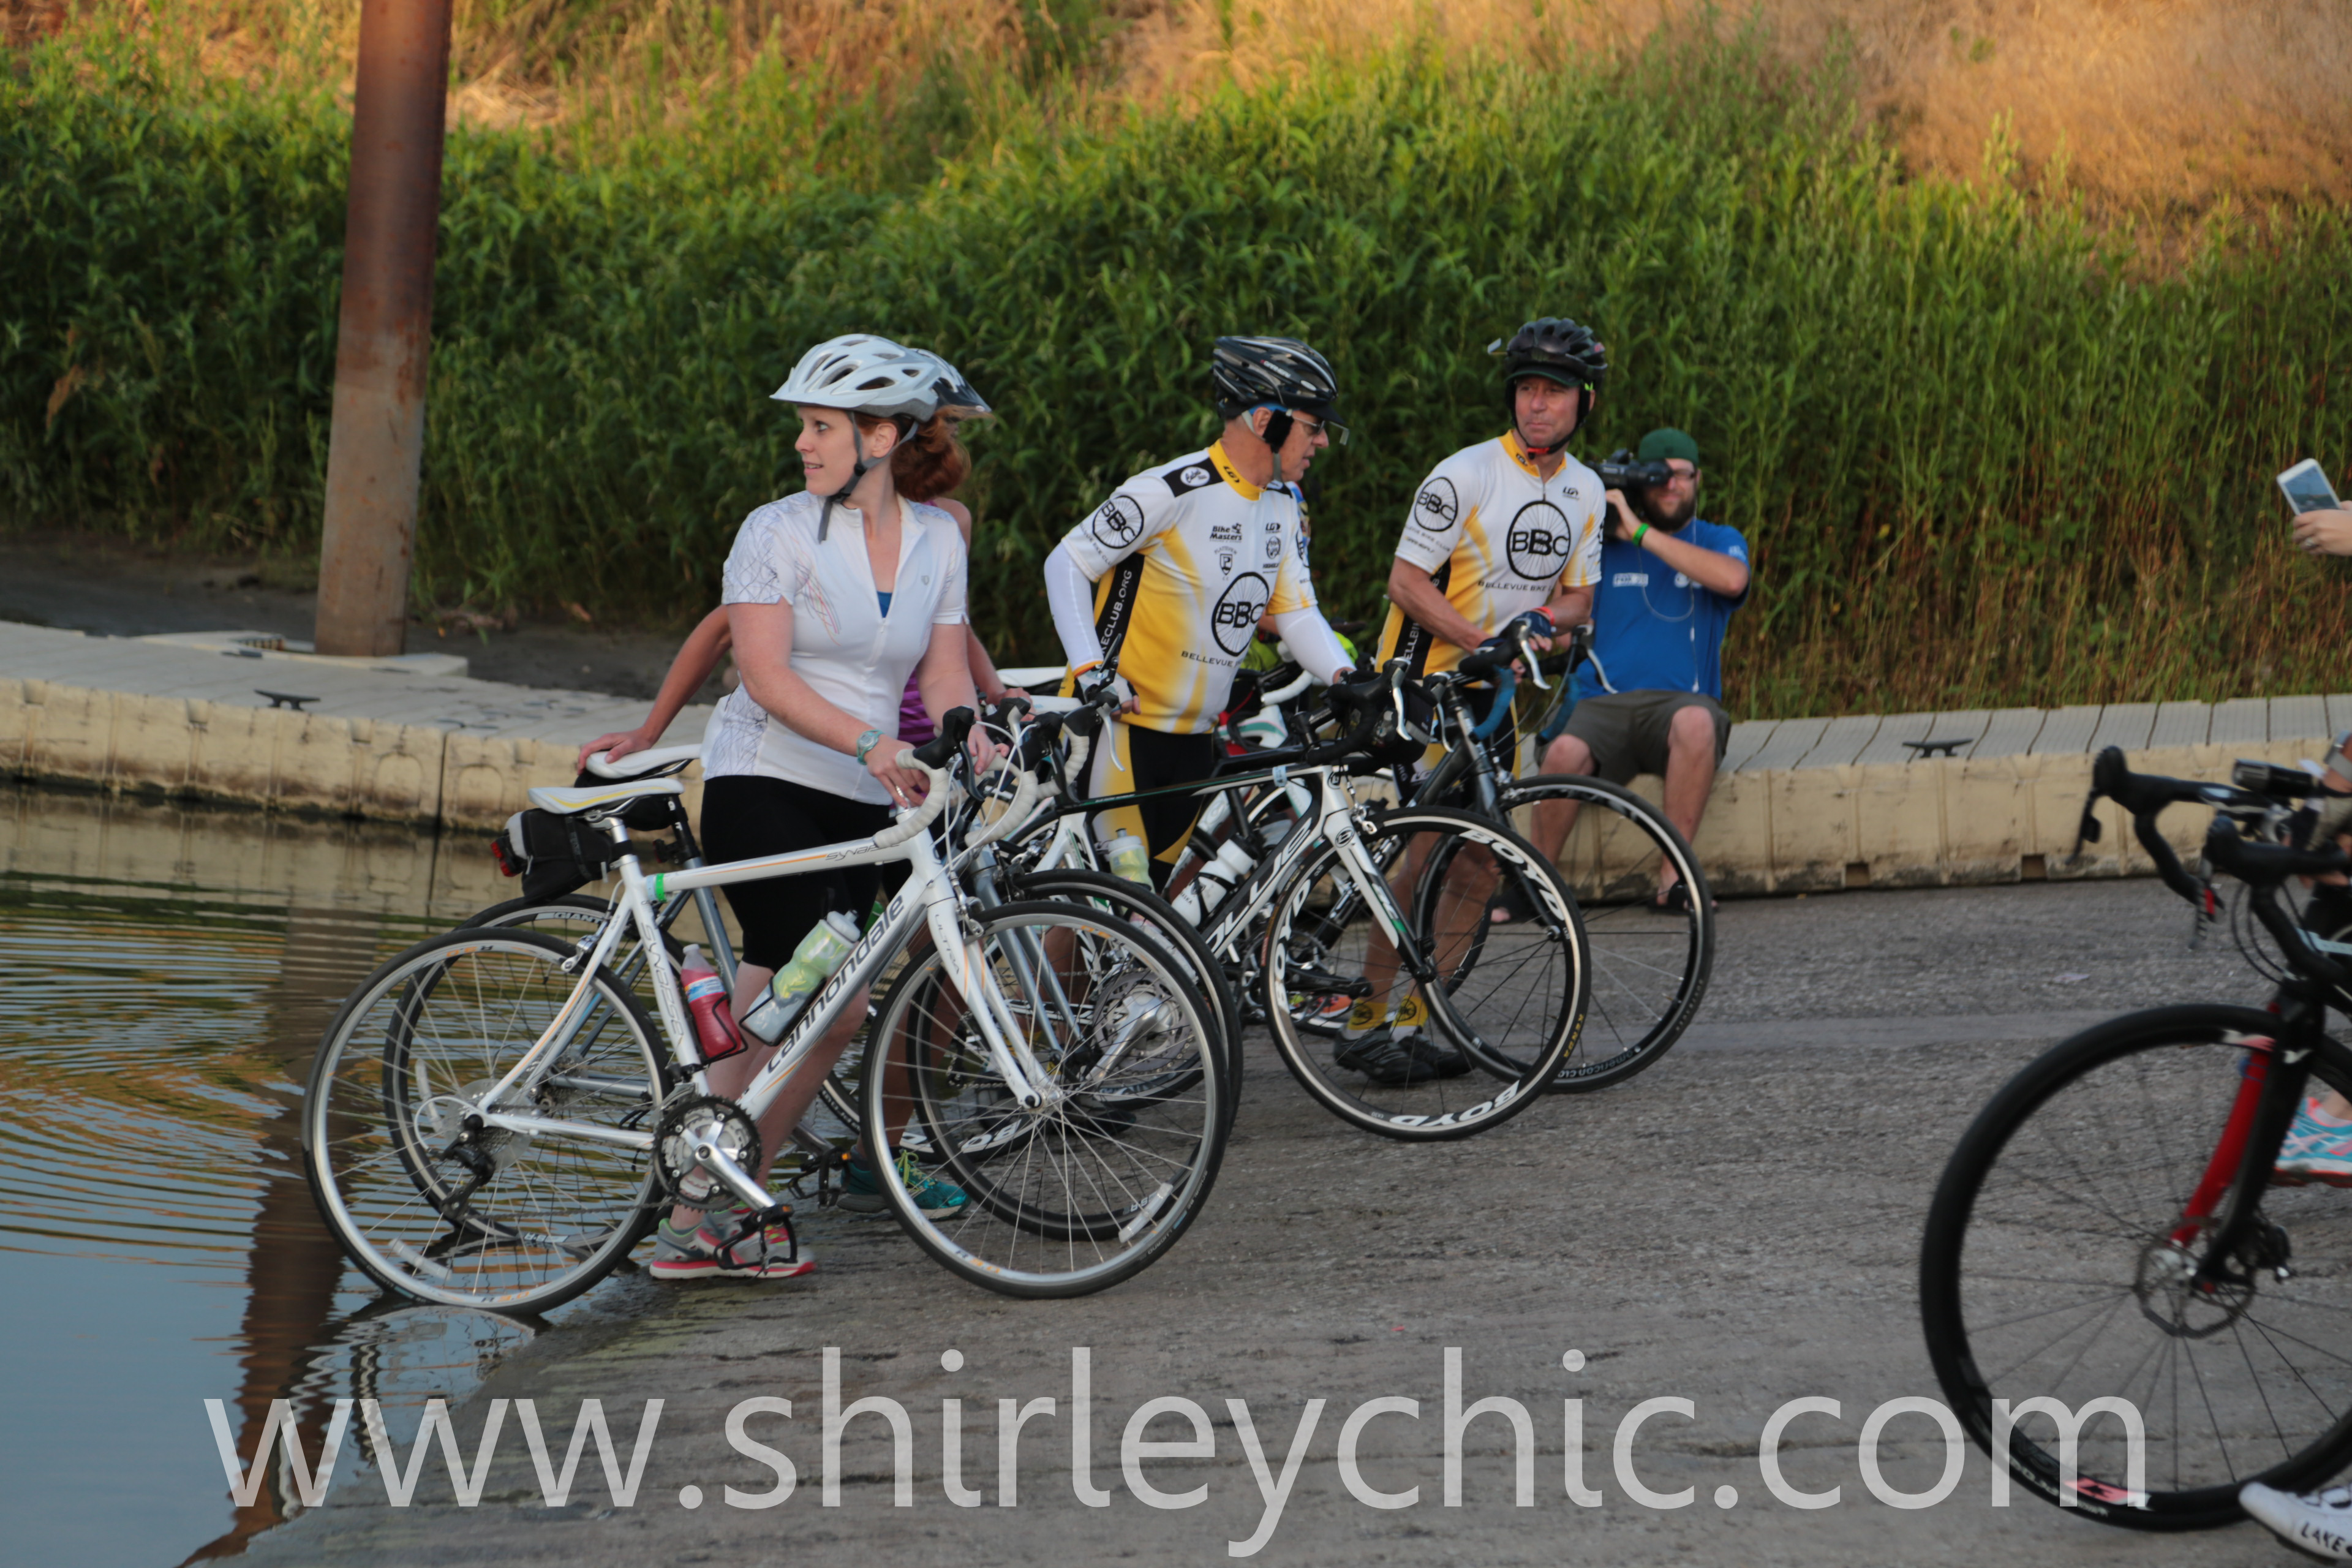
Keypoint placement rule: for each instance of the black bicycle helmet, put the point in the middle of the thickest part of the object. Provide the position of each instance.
(1556, 349)
(1248, 372)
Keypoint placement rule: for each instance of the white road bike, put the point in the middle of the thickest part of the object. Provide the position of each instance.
(494, 1121)
(1352, 902)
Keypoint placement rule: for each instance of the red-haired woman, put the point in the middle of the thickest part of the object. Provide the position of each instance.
(835, 598)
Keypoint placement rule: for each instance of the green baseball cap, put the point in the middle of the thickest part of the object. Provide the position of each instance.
(1659, 446)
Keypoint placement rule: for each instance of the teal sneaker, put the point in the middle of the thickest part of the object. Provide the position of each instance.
(2315, 1151)
(861, 1192)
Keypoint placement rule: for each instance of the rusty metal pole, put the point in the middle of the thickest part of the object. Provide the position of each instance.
(376, 446)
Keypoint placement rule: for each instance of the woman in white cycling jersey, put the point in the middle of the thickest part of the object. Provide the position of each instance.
(833, 596)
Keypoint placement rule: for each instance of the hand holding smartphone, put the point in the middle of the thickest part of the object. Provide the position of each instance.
(2306, 488)
(2321, 523)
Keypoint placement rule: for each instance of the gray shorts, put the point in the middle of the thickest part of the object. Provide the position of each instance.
(1626, 731)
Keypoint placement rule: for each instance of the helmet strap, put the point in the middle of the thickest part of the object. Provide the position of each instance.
(1583, 408)
(857, 470)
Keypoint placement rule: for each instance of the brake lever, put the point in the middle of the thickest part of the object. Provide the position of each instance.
(1527, 658)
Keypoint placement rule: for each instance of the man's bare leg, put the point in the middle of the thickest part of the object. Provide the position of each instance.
(1553, 818)
(1690, 776)
(1470, 882)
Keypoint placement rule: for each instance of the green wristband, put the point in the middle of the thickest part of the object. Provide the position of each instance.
(1639, 530)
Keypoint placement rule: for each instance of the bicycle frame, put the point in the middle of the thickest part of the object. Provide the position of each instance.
(1337, 820)
(930, 895)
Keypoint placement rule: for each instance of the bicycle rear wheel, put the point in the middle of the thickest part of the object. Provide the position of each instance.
(1650, 964)
(2049, 1270)
(465, 1214)
(1512, 997)
(1090, 1188)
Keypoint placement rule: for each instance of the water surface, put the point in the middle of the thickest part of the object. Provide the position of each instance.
(165, 972)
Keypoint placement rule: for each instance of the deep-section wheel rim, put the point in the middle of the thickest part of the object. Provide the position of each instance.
(1516, 996)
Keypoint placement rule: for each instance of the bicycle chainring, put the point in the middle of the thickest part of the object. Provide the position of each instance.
(684, 1127)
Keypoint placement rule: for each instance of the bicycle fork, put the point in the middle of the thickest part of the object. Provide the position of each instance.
(2225, 1204)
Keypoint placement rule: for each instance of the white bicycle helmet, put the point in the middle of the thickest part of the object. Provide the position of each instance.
(957, 396)
(864, 374)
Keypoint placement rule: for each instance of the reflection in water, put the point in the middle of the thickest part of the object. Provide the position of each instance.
(169, 974)
(294, 1268)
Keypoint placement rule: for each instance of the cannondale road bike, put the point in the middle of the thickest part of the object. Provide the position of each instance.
(493, 1118)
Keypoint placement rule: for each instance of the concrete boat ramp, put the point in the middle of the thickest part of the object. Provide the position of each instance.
(1801, 804)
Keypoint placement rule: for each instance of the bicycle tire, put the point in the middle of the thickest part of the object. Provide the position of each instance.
(1079, 1195)
(1650, 967)
(407, 1053)
(1529, 1010)
(2049, 1196)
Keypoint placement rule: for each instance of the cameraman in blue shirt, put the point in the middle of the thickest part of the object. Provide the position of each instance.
(1651, 701)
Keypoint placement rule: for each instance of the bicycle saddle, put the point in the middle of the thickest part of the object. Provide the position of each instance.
(571, 802)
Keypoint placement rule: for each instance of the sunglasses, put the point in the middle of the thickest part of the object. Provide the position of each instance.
(1330, 427)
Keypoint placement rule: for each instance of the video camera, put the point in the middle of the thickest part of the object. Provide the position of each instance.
(1623, 471)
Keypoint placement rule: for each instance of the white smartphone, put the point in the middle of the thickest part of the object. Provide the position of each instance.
(2306, 488)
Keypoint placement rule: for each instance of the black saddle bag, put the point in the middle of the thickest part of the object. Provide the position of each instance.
(554, 855)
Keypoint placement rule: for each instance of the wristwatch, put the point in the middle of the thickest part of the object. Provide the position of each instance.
(866, 743)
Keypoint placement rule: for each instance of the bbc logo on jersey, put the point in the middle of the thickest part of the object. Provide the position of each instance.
(1541, 542)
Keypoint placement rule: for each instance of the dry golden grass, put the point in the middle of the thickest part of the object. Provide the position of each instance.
(2159, 108)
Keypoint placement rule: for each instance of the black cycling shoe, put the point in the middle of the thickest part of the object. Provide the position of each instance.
(1377, 1055)
(1436, 1058)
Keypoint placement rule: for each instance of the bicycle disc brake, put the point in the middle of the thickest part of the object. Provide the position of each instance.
(685, 1127)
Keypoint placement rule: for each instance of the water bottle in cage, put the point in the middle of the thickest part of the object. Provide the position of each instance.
(819, 955)
(705, 998)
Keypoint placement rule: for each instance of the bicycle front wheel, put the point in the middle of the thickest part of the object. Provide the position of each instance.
(1650, 962)
(2057, 1265)
(1141, 906)
(1089, 1187)
(426, 1199)
(1506, 1004)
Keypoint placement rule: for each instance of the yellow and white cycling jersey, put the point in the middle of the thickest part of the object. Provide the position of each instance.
(1185, 558)
(1498, 540)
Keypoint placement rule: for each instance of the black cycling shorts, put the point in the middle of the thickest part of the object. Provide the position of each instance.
(1131, 760)
(745, 816)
